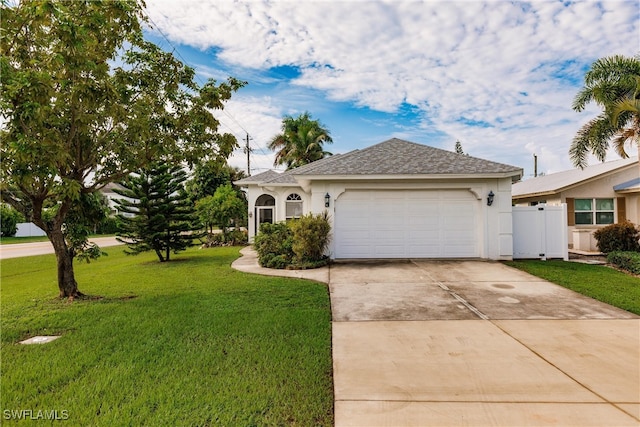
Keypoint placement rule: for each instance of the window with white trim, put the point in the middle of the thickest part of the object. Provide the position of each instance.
(293, 206)
(594, 211)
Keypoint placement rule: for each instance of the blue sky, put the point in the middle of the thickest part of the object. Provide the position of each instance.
(498, 76)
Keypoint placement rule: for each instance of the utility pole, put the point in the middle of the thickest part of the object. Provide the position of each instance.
(247, 150)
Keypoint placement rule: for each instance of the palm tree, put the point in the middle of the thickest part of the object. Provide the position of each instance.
(300, 142)
(614, 84)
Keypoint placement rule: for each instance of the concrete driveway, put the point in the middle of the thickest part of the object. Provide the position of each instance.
(451, 343)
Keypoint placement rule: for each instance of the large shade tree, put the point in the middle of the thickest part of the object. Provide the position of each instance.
(301, 141)
(85, 101)
(613, 83)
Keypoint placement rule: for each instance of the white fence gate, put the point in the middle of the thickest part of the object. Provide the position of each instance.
(540, 232)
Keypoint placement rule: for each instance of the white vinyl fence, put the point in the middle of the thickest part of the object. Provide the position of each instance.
(540, 232)
(28, 229)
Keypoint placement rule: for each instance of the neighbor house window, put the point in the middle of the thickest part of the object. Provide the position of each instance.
(594, 211)
(293, 206)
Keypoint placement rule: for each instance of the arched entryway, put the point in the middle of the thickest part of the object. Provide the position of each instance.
(265, 210)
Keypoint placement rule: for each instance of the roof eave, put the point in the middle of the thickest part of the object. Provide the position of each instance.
(534, 195)
(565, 187)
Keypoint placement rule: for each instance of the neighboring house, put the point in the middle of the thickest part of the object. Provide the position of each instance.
(112, 197)
(396, 199)
(596, 196)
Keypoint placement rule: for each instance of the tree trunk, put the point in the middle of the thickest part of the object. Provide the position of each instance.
(66, 277)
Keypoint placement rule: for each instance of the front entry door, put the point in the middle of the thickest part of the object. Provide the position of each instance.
(264, 214)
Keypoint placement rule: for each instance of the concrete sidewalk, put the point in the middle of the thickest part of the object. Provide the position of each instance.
(455, 343)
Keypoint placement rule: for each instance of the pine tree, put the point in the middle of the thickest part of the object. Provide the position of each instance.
(459, 147)
(156, 213)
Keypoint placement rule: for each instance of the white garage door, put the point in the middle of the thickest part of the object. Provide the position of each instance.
(406, 224)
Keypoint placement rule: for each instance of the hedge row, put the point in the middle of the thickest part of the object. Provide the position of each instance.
(629, 261)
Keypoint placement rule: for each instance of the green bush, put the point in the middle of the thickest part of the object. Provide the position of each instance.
(623, 236)
(310, 237)
(9, 219)
(629, 261)
(109, 225)
(237, 237)
(299, 243)
(230, 238)
(274, 244)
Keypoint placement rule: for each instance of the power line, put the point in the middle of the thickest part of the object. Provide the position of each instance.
(177, 52)
(248, 150)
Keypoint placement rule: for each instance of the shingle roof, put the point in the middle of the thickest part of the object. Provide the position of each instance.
(282, 178)
(556, 182)
(399, 157)
(256, 179)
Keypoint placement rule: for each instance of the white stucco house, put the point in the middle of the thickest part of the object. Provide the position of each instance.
(596, 196)
(395, 199)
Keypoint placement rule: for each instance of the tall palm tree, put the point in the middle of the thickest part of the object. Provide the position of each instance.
(300, 142)
(614, 84)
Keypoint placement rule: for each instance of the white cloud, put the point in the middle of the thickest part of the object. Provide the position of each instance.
(265, 118)
(512, 66)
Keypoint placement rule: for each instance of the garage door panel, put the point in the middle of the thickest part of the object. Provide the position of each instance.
(424, 251)
(389, 251)
(400, 224)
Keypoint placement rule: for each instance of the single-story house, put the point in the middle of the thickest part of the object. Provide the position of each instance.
(395, 199)
(112, 197)
(596, 196)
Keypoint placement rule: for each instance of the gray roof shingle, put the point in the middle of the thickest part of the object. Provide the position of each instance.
(256, 179)
(399, 157)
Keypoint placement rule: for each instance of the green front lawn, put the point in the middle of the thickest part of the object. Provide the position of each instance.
(30, 239)
(190, 342)
(596, 281)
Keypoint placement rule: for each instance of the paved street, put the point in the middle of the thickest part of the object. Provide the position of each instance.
(41, 248)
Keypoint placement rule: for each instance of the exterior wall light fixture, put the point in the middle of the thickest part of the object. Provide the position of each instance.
(327, 199)
(490, 197)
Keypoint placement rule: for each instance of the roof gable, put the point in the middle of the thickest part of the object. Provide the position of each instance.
(556, 182)
(399, 157)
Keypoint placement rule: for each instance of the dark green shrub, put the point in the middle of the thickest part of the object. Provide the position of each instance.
(310, 237)
(109, 225)
(629, 261)
(623, 236)
(274, 245)
(237, 237)
(9, 219)
(230, 238)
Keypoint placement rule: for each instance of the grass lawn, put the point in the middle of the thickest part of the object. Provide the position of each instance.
(596, 281)
(30, 239)
(190, 342)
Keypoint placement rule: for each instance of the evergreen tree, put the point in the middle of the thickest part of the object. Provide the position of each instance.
(157, 213)
(459, 147)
